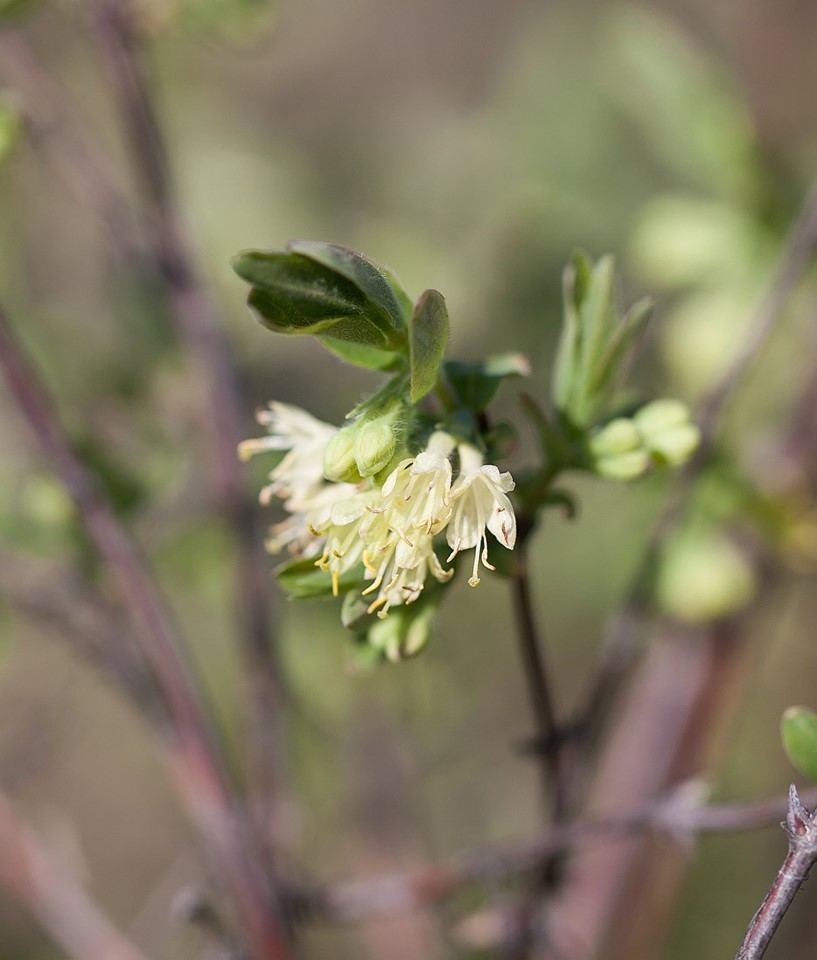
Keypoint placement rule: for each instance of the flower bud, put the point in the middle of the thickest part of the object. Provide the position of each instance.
(703, 577)
(375, 443)
(667, 431)
(339, 463)
(660, 415)
(618, 436)
(625, 466)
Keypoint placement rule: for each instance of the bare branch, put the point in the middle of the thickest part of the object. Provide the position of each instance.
(539, 686)
(801, 829)
(197, 320)
(193, 754)
(679, 815)
(61, 907)
(67, 141)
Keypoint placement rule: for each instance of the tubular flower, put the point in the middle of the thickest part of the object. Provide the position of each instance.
(340, 536)
(416, 492)
(406, 578)
(479, 502)
(300, 474)
(386, 532)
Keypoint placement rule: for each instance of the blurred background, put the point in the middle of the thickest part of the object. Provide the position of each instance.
(471, 146)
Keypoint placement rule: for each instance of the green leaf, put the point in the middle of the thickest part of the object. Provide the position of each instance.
(620, 345)
(362, 355)
(354, 612)
(11, 127)
(302, 580)
(428, 340)
(798, 729)
(575, 279)
(15, 8)
(378, 283)
(295, 294)
(476, 384)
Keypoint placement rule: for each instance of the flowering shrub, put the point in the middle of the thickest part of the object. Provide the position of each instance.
(378, 511)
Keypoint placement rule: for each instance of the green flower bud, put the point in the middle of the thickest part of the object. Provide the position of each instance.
(375, 444)
(703, 577)
(667, 431)
(618, 436)
(419, 630)
(386, 635)
(660, 415)
(339, 460)
(626, 466)
(676, 446)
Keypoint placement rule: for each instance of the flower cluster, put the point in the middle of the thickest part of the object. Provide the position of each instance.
(386, 530)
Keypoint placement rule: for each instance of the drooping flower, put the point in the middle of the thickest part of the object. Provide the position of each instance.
(340, 536)
(416, 492)
(408, 566)
(479, 502)
(299, 476)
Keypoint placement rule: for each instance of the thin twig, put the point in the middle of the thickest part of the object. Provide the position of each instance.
(539, 685)
(66, 139)
(801, 829)
(90, 622)
(61, 907)
(197, 319)
(193, 753)
(679, 815)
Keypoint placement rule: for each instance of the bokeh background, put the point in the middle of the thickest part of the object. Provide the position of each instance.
(471, 146)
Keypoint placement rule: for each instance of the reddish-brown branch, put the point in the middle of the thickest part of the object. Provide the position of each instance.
(539, 687)
(801, 828)
(193, 753)
(61, 907)
(679, 815)
(64, 136)
(197, 319)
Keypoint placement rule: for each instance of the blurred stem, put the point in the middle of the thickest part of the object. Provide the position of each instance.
(197, 320)
(192, 750)
(539, 685)
(65, 912)
(679, 815)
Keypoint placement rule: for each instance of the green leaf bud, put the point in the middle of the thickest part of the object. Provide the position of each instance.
(798, 730)
(339, 464)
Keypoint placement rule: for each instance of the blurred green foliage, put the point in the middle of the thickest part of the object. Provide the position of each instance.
(474, 153)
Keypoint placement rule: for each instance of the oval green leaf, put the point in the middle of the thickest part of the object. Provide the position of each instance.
(428, 340)
(798, 729)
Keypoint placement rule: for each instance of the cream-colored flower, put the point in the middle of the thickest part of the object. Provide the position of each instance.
(408, 567)
(340, 536)
(299, 476)
(479, 502)
(416, 493)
